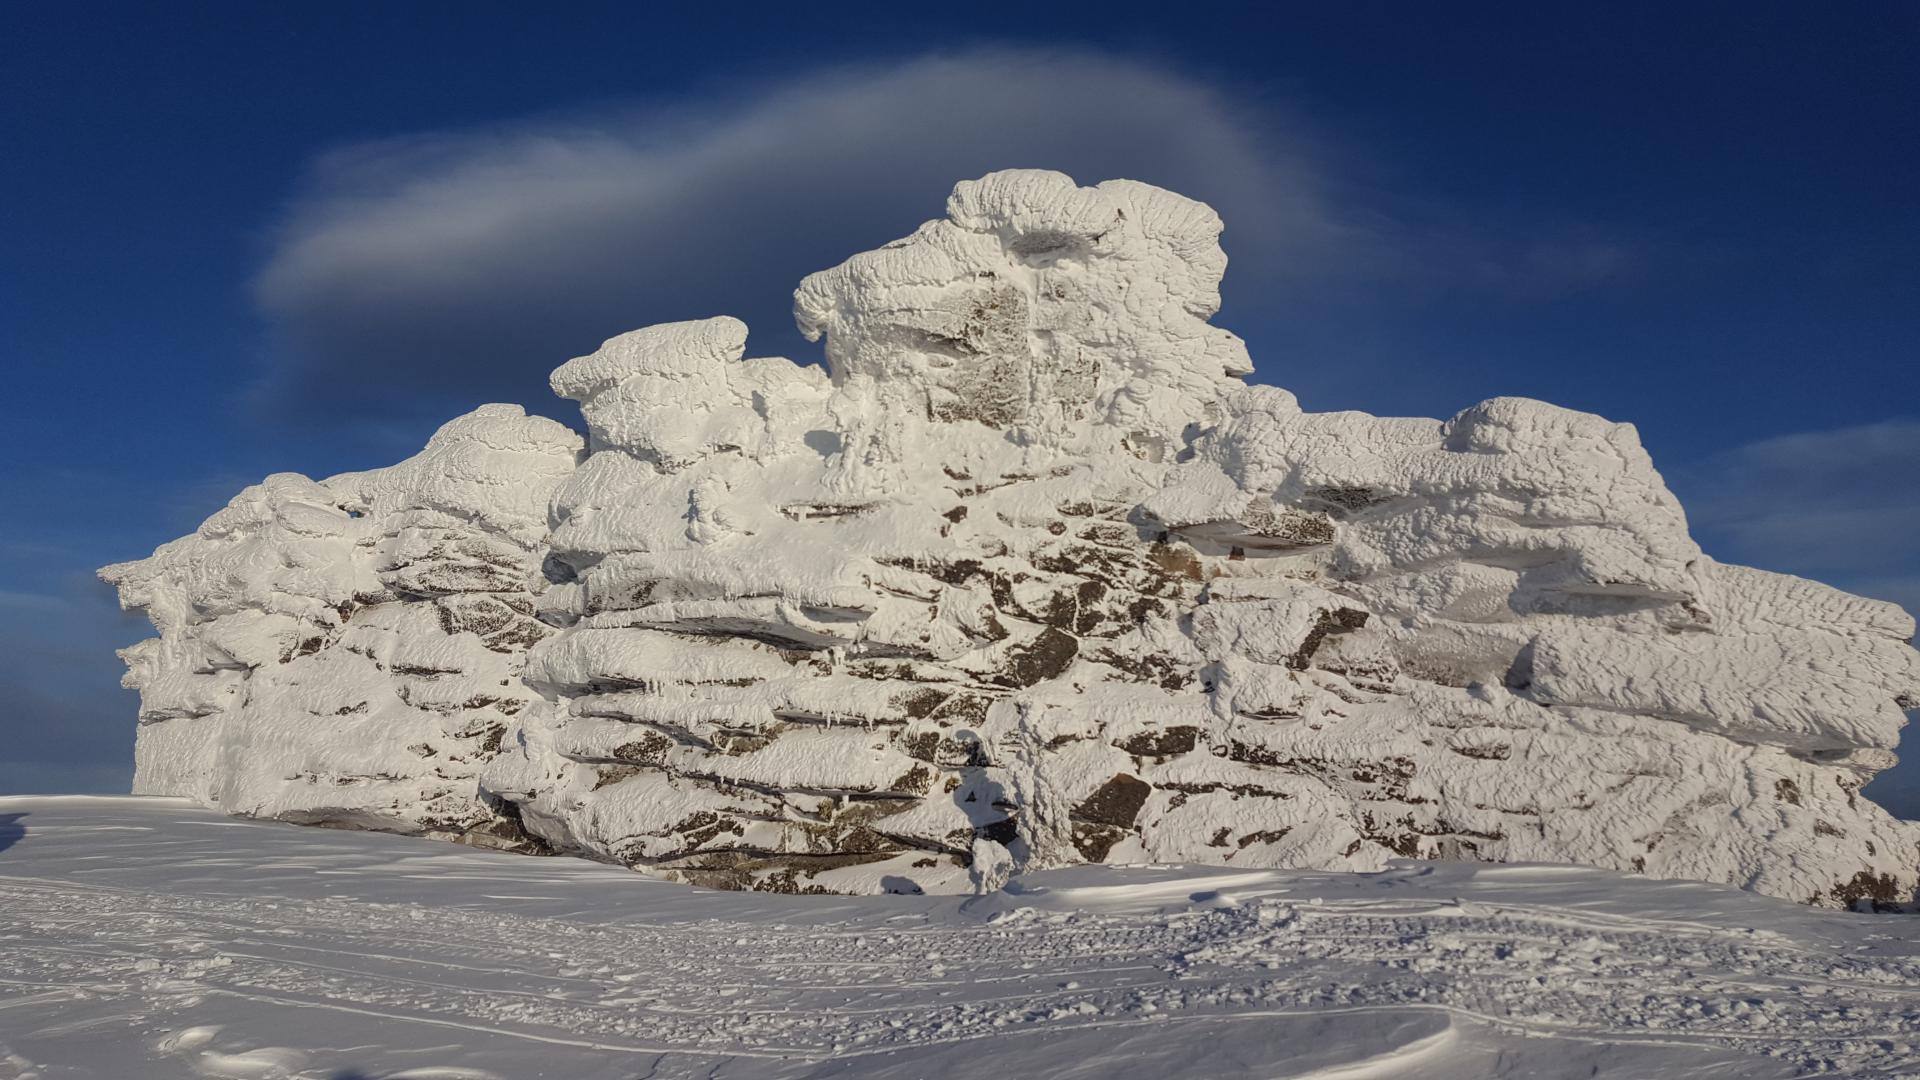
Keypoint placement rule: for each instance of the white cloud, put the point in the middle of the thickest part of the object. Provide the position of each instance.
(492, 256)
(1840, 505)
(480, 260)
(28, 601)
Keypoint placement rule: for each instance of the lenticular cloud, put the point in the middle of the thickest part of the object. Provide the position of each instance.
(478, 254)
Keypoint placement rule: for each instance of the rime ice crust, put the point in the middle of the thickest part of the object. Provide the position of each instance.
(348, 651)
(1028, 577)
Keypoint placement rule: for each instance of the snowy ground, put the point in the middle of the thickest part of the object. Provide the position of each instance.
(150, 938)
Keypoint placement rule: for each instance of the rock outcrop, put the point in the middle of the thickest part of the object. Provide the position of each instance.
(1025, 576)
(349, 652)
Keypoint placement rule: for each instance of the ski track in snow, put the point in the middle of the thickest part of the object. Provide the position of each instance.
(145, 936)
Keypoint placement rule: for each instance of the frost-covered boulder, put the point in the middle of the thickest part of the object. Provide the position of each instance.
(1025, 576)
(348, 651)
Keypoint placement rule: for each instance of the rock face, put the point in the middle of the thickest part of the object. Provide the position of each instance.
(349, 652)
(1026, 576)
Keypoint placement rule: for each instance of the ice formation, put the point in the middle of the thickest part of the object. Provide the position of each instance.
(1026, 576)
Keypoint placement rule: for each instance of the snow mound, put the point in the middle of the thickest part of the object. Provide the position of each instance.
(1027, 577)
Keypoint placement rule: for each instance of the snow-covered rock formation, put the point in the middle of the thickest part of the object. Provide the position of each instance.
(349, 651)
(1026, 576)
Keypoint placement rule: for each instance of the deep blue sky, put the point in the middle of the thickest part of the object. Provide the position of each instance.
(247, 238)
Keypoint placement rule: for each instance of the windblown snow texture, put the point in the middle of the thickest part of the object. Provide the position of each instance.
(148, 939)
(1026, 577)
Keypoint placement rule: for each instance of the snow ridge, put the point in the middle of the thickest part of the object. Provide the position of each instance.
(1026, 577)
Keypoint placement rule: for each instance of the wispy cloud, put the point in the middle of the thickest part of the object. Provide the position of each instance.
(479, 260)
(29, 602)
(1841, 505)
(486, 258)
(1846, 499)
